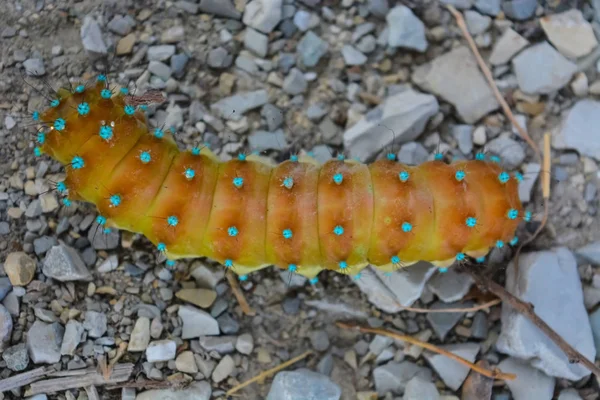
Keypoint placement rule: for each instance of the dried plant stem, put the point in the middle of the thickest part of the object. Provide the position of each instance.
(239, 295)
(496, 374)
(266, 374)
(453, 310)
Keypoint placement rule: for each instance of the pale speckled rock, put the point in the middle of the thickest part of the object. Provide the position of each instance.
(234, 107)
(402, 117)
(420, 389)
(531, 172)
(530, 384)
(401, 288)
(63, 263)
(20, 268)
(223, 369)
(450, 286)
(591, 252)
(72, 337)
(44, 342)
(509, 44)
(263, 15)
(140, 335)
(541, 69)
(570, 33)
(405, 29)
(196, 391)
(6, 327)
(448, 75)
(303, 384)
(452, 372)
(579, 128)
(393, 376)
(550, 281)
(95, 323)
(161, 350)
(197, 323)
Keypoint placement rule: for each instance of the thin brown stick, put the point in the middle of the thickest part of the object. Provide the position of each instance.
(460, 21)
(527, 310)
(453, 310)
(239, 295)
(495, 373)
(266, 374)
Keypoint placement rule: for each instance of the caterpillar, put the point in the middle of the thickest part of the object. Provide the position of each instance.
(249, 213)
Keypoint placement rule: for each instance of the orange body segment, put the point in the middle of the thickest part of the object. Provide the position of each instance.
(298, 215)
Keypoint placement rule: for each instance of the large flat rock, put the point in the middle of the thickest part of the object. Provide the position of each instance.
(550, 281)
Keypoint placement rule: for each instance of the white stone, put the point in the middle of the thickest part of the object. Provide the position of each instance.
(263, 15)
(256, 42)
(509, 44)
(391, 292)
(570, 33)
(579, 85)
(449, 74)
(550, 281)
(401, 118)
(185, 362)
(196, 391)
(452, 372)
(531, 172)
(353, 56)
(476, 22)
(223, 369)
(530, 384)
(405, 29)
(197, 322)
(303, 384)
(450, 286)
(393, 376)
(420, 389)
(140, 336)
(579, 129)
(541, 69)
(161, 350)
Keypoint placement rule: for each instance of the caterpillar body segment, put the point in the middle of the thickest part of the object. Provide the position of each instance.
(249, 213)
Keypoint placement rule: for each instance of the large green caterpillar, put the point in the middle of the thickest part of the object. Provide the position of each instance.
(248, 213)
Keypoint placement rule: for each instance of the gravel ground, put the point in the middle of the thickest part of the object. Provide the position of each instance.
(330, 77)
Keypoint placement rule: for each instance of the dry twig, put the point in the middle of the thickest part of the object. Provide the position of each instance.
(24, 379)
(266, 374)
(80, 379)
(453, 310)
(496, 374)
(239, 295)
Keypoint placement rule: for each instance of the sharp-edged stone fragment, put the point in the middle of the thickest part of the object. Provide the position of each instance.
(530, 384)
(448, 75)
(452, 372)
(549, 280)
(401, 117)
(64, 263)
(303, 384)
(570, 33)
(401, 288)
(578, 129)
(541, 69)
